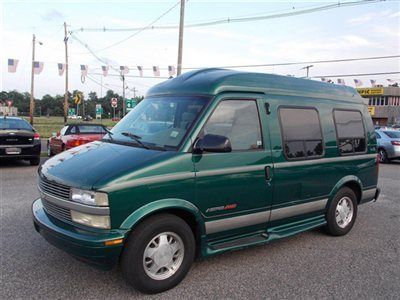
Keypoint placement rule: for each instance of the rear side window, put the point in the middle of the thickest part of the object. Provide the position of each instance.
(301, 132)
(350, 131)
(237, 120)
(91, 129)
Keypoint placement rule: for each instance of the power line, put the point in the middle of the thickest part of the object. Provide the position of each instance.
(359, 74)
(133, 76)
(237, 19)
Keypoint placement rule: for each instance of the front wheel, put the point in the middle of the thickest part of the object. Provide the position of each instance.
(342, 212)
(158, 253)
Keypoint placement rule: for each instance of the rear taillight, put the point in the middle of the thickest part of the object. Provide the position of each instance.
(36, 136)
(395, 143)
(76, 143)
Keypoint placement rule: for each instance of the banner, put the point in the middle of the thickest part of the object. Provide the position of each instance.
(61, 68)
(12, 65)
(37, 67)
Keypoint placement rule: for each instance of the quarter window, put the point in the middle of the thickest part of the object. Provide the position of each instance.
(237, 120)
(350, 131)
(301, 132)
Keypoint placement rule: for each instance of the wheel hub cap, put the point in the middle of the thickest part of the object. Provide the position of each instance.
(344, 212)
(163, 255)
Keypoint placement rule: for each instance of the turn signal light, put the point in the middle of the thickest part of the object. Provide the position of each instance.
(395, 143)
(113, 242)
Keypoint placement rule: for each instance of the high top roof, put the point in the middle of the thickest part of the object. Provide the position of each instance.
(214, 81)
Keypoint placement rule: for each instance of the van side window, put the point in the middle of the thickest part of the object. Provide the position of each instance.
(350, 131)
(238, 120)
(301, 132)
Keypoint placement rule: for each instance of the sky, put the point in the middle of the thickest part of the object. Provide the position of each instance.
(366, 30)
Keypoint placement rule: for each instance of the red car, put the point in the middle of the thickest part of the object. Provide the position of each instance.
(74, 135)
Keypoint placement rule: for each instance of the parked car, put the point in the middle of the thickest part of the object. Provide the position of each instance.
(211, 161)
(388, 144)
(87, 118)
(74, 117)
(74, 135)
(396, 126)
(18, 139)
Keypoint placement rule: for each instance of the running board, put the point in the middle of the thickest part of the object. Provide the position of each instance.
(240, 242)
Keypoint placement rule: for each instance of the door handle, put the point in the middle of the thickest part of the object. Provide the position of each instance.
(268, 173)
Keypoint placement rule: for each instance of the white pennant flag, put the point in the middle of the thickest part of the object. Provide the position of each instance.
(84, 70)
(340, 81)
(12, 65)
(124, 70)
(37, 67)
(61, 69)
(373, 82)
(156, 71)
(171, 70)
(140, 69)
(391, 80)
(105, 70)
(358, 82)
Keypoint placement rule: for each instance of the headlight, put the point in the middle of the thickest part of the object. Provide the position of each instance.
(89, 197)
(91, 220)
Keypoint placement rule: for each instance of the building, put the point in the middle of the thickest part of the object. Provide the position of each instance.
(8, 111)
(383, 104)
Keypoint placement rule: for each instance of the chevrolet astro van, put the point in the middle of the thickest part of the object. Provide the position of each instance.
(210, 161)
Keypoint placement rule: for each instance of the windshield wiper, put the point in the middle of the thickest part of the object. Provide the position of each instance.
(109, 133)
(136, 138)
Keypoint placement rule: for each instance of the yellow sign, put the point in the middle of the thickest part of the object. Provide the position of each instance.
(370, 91)
(371, 110)
(78, 98)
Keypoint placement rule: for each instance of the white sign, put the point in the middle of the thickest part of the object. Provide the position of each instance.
(114, 102)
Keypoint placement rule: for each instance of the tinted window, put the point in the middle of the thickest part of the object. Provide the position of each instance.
(350, 131)
(237, 120)
(7, 123)
(301, 132)
(90, 129)
(393, 134)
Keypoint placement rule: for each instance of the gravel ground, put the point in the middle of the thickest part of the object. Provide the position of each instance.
(363, 264)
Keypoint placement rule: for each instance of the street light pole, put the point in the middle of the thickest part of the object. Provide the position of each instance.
(32, 100)
(180, 45)
(123, 96)
(307, 68)
(66, 96)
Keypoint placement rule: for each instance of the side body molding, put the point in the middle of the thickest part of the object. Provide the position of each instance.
(162, 205)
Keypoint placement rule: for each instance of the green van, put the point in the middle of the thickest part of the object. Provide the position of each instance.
(211, 161)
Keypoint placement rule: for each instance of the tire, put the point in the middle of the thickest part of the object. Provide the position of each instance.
(144, 273)
(383, 157)
(35, 161)
(342, 212)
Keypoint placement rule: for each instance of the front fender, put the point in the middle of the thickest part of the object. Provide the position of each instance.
(162, 205)
(341, 183)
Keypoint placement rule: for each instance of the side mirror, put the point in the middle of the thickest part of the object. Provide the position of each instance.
(212, 143)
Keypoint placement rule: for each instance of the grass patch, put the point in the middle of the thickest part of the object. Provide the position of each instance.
(45, 126)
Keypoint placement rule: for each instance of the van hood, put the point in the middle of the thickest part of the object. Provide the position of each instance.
(85, 165)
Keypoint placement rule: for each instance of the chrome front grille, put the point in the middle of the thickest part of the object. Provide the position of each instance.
(56, 211)
(54, 189)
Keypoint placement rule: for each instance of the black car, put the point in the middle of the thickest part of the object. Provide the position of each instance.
(19, 140)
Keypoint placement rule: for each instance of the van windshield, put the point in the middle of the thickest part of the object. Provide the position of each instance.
(160, 122)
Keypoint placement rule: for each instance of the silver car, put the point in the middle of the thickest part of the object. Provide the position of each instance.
(388, 144)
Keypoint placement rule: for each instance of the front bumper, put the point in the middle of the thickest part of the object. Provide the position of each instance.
(86, 245)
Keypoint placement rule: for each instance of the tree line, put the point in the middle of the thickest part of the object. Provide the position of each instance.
(50, 105)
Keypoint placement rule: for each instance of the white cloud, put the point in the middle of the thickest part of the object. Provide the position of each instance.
(366, 18)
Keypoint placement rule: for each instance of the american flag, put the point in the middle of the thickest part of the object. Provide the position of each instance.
(358, 82)
(84, 70)
(340, 81)
(105, 70)
(140, 69)
(323, 79)
(12, 65)
(61, 68)
(391, 80)
(124, 70)
(373, 82)
(171, 70)
(37, 67)
(156, 71)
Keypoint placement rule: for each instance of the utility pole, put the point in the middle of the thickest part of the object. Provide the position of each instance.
(307, 68)
(66, 96)
(134, 90)
(123, 96)
(32, 100)
(181, 23)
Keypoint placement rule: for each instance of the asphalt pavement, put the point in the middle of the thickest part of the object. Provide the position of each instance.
(363, 264)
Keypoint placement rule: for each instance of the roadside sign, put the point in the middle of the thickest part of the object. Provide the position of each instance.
(78, 98)
(99, 111)
(370, 91)
(9, 103)
(371, 110)
(130, 104)
(114, 102)
(71, 111)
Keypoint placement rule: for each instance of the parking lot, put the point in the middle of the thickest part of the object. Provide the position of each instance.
(363, 264)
